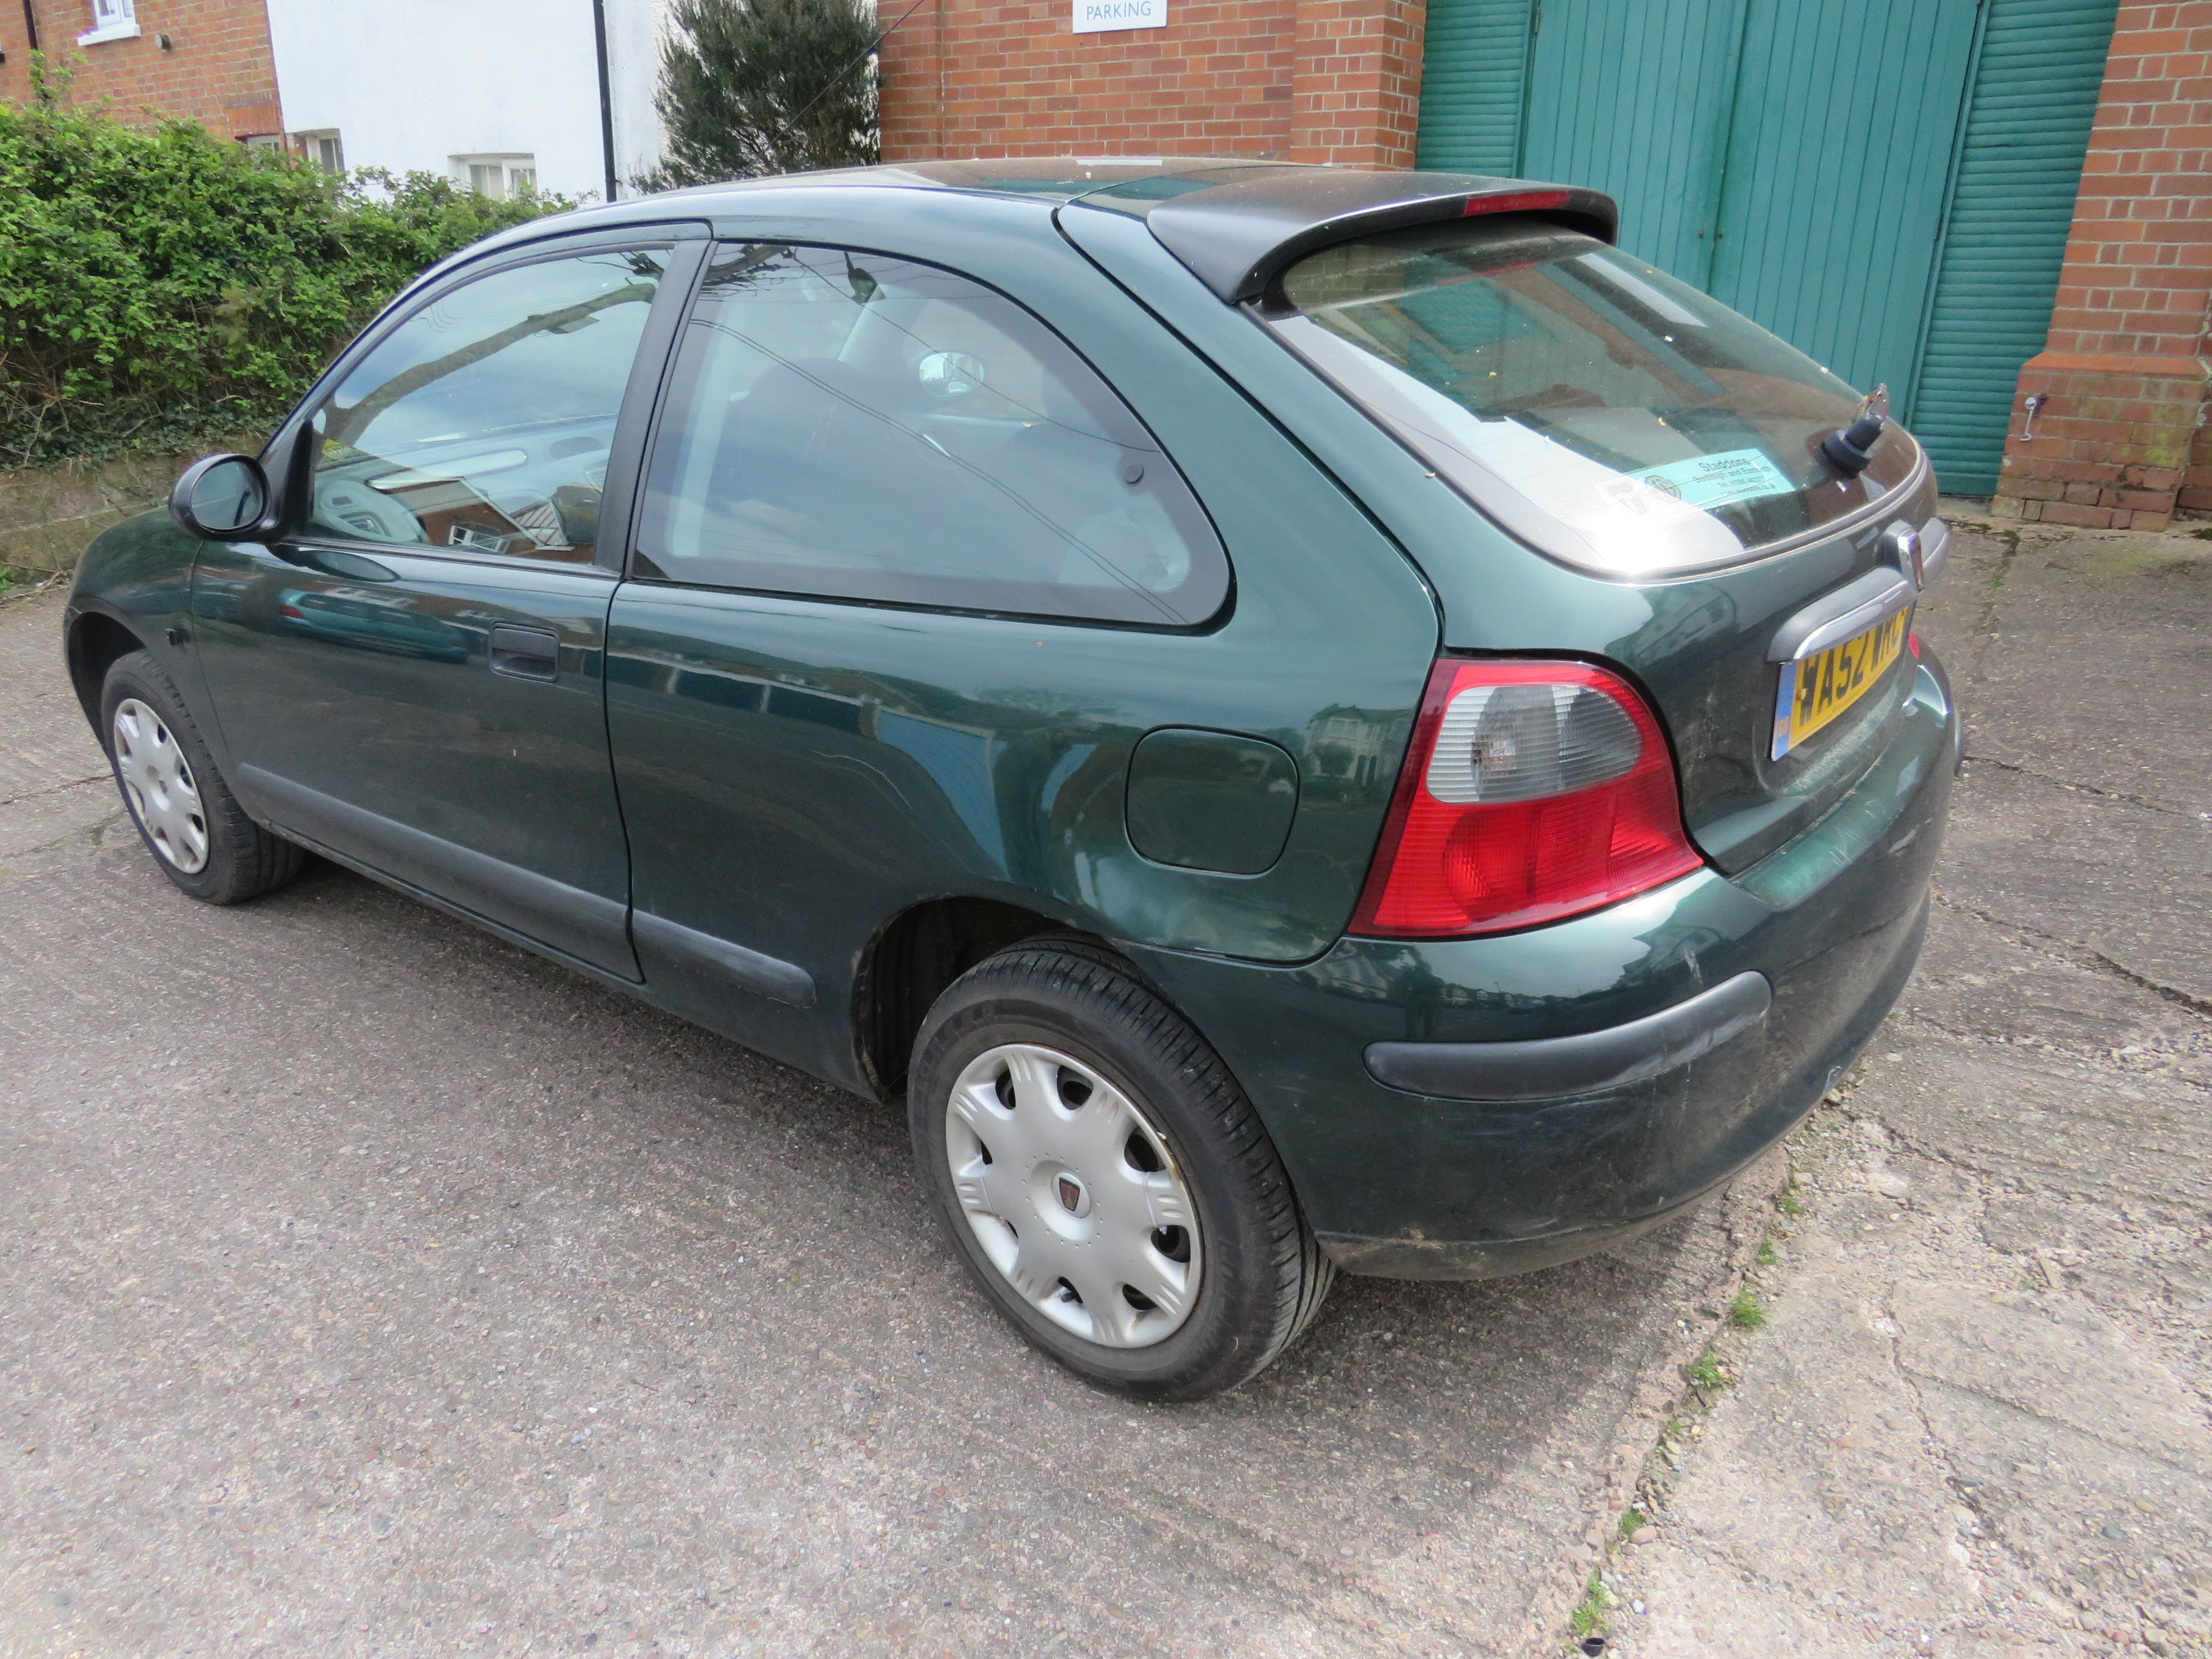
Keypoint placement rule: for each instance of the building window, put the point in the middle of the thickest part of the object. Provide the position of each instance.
(498, 176)
(111, 20)
(322, 151)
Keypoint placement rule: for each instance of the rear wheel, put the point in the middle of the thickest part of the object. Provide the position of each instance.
(199, 836)
(1105, 1177)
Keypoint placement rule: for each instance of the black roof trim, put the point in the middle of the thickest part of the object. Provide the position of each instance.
(1237, 235)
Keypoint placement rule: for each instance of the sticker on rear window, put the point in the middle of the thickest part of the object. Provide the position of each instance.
(1738, 475)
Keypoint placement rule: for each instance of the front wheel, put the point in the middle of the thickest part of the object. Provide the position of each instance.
(1105, 1177)
(200, 837)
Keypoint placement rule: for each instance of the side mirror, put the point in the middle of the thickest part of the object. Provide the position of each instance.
(222, 498)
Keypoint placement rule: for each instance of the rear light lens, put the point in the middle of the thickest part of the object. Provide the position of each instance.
(1531, 791)
(1522, 201)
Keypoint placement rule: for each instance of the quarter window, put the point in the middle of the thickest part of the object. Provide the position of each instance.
(481, 424)
(855, 426)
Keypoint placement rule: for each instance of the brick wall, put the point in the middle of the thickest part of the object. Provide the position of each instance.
(2119, 441)
(1309, 80)
(216, 69)
(1357, 94)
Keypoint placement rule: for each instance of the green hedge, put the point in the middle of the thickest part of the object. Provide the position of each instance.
(160, 284)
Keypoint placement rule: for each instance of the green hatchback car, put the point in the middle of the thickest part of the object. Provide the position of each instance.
(1304, 720)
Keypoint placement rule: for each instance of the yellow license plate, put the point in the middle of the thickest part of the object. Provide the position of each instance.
(1816, 690)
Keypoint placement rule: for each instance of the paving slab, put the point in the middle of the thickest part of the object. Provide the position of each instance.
(2093, 664)
(373, 1287)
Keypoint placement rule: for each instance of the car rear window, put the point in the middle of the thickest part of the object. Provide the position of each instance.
(1607, 414)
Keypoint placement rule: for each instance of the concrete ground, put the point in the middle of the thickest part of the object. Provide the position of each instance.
(1976, 1421)
(368, 1287)
(373, 1287)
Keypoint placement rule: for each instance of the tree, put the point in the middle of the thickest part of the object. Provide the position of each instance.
(755, 86)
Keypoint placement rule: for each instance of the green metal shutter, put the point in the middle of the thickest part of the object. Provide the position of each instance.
(1631, 97)
(2034, 94)
(1839, 146)
(1471, 72)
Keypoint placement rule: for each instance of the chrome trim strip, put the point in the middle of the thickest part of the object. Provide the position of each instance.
(1845, 614)
(1934, 549)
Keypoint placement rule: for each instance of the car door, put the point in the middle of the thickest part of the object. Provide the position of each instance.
(411, 678)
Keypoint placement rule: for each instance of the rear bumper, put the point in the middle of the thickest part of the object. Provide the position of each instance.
(1589, 1062)
(1460, 1109)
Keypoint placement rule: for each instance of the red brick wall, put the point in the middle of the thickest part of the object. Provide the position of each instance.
(2125, 367)
(1016, 80)
(1312, 80)
(218, 70)
(1356, 97)
(2196, 483)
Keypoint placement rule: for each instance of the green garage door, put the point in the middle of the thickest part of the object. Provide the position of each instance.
(1886, 185)
(2012, 198)
(1638, 93)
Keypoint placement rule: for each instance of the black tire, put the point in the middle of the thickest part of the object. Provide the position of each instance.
(1264, 1277)
(243, 861)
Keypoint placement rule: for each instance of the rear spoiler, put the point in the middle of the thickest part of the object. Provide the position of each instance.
(1237, 236)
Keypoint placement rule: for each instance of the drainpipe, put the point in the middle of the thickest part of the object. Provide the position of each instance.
(31, 24)
(606, 97)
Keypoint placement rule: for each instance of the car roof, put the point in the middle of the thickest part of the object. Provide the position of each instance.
(1234, 221)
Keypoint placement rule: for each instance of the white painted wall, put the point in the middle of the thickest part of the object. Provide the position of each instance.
(410, 84)
(635, 29)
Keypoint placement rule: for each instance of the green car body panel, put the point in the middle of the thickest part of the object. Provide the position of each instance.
(893, 758)
(736, 796)
(348, 681)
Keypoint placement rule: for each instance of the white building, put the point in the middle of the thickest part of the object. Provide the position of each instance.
(492, 93)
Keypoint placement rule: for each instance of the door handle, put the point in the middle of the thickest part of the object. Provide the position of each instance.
(528, 653)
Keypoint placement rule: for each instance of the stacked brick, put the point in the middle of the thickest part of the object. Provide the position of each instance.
(984, 78)
(1356, 97)
(1309, 79)
(217, 69)
(2118, 441)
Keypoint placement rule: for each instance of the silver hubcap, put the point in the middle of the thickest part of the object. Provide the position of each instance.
(1072, 1195)
(157, 781)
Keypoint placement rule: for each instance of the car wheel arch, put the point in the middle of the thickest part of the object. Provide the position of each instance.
(96, 642)
(914, 955)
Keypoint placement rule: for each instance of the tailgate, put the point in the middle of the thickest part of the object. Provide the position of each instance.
(1726, 661)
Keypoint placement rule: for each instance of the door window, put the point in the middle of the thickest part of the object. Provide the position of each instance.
(855, 425)
(481, 425)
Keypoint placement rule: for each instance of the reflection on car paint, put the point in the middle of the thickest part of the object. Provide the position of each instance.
(373, 621)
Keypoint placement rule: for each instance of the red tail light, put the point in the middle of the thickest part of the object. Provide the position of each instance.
(1531, 791)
